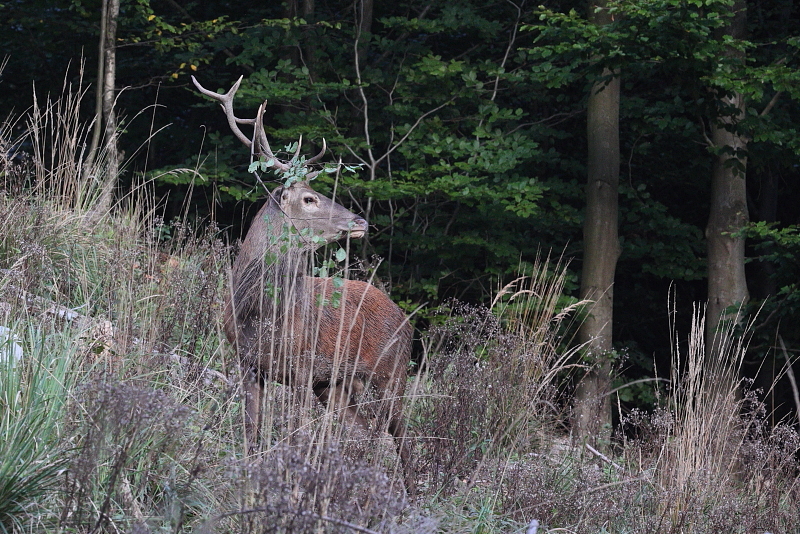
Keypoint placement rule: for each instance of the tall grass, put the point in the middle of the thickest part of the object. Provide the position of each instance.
(59, 138)
(708, 434)
(705, 462)
(491, 389)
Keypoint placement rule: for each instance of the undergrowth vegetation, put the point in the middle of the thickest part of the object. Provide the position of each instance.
(121, 408)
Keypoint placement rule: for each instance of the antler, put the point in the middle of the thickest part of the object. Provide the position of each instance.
(259, 144)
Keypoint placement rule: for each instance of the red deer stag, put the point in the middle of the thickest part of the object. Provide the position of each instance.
(301, 330)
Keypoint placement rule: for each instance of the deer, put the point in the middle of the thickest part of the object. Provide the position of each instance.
(337, 337)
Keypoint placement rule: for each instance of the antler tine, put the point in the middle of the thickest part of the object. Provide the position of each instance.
(262, 144)
(318, 156)
(297, 152)
(226, 101)
(312, 175)
(259, 144)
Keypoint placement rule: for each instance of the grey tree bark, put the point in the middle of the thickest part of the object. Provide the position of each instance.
(364, 15)
(109, 113)
(601, 249)
(97, 127)
(105, 125)
(727, 286)
(310, 48)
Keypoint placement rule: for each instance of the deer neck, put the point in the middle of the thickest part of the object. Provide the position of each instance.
(269, 276)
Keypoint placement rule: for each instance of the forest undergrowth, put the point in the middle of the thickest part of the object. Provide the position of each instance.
(121, 403)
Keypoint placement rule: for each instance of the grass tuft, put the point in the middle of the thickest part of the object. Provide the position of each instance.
(34, 444)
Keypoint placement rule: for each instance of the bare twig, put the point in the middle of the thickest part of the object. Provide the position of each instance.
(707, 139)
(604, 458)
(510, 47)
(771, 104)
(512, 39)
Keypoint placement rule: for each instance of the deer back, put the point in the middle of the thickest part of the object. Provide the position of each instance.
(365, 329)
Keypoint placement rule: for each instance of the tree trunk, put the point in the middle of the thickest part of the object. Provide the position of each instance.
(592, 417)
(727, 286)
(292, 9)
(109, 114)
(309, 36)
(105, 116)
(592, 421)
(97, 128)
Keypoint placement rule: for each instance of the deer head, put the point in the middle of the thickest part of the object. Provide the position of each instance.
(316, 218)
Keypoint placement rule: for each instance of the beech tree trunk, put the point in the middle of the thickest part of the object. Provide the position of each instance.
(97, 127)
(601, 249)
(727, 286)
(105, 116)
(109, 99)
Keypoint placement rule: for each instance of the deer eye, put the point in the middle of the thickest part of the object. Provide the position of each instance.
(310, 199)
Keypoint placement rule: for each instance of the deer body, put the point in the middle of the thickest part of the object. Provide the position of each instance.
(285, 324)
(336, 337)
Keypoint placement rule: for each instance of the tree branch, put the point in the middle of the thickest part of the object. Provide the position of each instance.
(771, 104)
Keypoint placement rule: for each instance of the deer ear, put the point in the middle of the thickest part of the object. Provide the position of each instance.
(277, 195)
